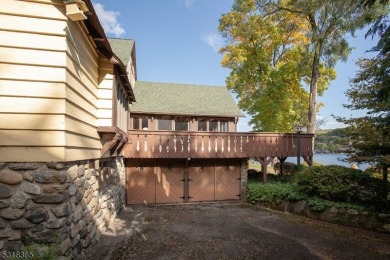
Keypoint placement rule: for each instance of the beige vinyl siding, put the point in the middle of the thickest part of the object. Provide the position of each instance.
(32, 76)
(33, 138)
(74, 125)
(81, 95)
(26, 105)
(24, 40)
(29, 56)
(37, 8)
(48, 84)
(20, 23)
(75, 84)
(32, 122)
(31, 153)
(34, 89)
(31, 72)
(105, 93)
(122, 109)
(75, 153)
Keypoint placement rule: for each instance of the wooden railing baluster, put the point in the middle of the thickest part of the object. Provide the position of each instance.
(172, 144)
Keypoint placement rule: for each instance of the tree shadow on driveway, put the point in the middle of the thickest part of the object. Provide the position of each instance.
(231, 230)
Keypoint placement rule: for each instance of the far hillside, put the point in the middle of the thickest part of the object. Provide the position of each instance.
(331, 141)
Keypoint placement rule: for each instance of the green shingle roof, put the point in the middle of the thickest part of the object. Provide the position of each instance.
(122, 48)
(183, 99)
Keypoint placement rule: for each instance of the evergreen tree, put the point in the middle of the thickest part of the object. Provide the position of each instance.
(370, 91)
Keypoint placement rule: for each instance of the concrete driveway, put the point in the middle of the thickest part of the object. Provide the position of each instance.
(231, 230)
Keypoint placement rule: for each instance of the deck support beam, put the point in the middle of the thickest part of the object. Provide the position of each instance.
(264, 161)
(308, 159)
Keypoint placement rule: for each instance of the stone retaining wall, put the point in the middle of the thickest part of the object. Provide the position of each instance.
(63, 203)
(346, 217)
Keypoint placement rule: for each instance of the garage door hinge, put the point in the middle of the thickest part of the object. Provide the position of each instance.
(186, 197)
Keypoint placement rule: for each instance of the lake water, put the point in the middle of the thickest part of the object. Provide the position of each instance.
(330, 158)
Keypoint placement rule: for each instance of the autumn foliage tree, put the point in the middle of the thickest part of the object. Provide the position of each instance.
(265, 66)
(276, 47)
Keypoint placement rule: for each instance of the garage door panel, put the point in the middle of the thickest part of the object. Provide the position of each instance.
(227, 183)
(141, 185)
(202, 183)
(169, 187)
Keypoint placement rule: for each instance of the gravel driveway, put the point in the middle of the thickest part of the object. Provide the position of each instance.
(231, 231)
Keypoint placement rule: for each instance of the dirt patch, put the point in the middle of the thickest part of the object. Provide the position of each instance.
(231, 231)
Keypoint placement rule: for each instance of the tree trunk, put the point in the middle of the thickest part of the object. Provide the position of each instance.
(315, 75)
(385, 181)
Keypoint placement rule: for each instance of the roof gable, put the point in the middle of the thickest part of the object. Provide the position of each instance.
(122, 48)
(183, 99)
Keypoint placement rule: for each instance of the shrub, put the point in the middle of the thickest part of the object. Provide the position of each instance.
(276, 192)
(254, 175)
(288, 168)
(338, 183)
(273, 192)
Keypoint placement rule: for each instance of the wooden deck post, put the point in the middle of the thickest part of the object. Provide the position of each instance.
(264, 161)
(264, 170)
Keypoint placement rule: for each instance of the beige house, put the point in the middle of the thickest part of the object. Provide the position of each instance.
(184, 146)
(64, 117)
(71, 154)
(63, 92)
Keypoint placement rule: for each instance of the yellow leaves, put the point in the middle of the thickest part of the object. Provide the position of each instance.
(327, 75)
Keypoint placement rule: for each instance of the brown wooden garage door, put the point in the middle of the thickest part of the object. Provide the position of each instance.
(169, 184)
(151, 184)
(141, 182)
(215, 180)
(169, 181)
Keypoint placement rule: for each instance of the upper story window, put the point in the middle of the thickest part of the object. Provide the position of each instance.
(140, 123)
(202, 125)
(136, 122)
(181, 123)
(213, 126)
(144, 123)
(224, 126)
(165, 123)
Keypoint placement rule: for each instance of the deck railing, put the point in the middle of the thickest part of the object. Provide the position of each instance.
(178, 144)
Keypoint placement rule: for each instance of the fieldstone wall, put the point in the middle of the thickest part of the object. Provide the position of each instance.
(244, 178)
(63, 203)
(346, 217)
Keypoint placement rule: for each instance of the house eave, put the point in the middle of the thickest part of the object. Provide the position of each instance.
(98, 35)
(184, 114)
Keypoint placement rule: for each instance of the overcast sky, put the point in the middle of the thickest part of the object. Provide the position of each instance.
(178, 41)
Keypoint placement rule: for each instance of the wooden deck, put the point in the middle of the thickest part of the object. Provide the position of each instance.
(177, 144)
